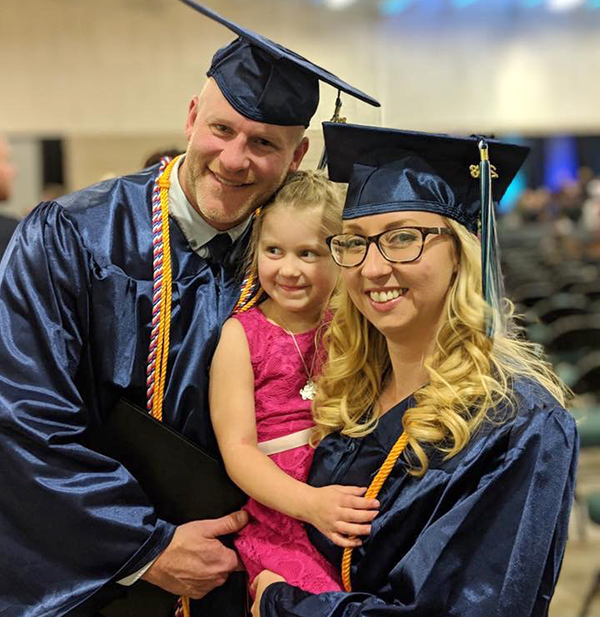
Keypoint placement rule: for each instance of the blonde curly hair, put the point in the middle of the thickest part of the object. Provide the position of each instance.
(469, 373)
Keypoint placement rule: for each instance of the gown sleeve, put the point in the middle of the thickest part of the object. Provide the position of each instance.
(71, 520)
(492, 545)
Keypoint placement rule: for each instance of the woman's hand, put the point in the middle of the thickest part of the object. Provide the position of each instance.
(341, 513)
(259, 584)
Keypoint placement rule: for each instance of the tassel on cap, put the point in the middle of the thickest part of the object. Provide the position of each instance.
(490, 266)
(338, 119)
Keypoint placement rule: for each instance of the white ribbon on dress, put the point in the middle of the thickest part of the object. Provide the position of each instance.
(287, 442)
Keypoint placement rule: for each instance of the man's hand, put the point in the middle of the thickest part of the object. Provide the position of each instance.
(195, 561)
(341, 513)
(259, 584)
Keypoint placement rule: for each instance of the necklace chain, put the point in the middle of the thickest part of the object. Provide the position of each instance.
(309, 390)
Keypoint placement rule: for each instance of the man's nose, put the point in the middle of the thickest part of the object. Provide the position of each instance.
(234, 155)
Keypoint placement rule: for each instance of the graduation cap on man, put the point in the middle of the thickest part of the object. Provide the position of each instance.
(267, 82)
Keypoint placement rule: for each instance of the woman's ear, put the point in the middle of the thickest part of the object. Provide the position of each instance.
(455, 265)
(455, 258)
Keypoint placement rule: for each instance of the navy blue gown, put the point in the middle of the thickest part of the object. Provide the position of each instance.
(75, 306)
(480, 535)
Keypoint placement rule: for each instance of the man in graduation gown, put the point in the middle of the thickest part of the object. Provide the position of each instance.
(76, 296)
(7, 175)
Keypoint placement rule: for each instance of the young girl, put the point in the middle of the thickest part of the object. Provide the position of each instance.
(262, 384)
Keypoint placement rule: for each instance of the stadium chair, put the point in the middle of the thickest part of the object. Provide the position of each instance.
(594, 513)
(529, 294)
(560, 305)
(569, 338)
(575, 275)
(590, 289)
(588, 374)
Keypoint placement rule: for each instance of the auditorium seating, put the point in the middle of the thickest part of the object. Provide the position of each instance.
(557, 300)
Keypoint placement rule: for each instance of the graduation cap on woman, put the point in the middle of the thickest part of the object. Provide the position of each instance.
(390, 170)
(267, 82)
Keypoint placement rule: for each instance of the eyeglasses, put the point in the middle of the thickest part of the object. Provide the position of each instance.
(400, 245)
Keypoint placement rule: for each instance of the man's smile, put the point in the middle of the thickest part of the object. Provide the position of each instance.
(229, 183)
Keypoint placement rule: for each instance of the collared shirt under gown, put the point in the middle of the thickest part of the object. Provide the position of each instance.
(480, 535)
(75, 308)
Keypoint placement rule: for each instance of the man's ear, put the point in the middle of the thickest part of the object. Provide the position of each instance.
(191, 117)
(299, 153)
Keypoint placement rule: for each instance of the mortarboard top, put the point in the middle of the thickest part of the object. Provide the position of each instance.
(266, 82)
(391, 170)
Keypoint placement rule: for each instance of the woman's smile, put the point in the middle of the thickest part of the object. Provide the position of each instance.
(387, 298)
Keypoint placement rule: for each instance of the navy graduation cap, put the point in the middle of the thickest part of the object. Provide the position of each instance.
(390, 170)
(266, 82)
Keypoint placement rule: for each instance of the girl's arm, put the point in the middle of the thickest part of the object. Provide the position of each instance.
(339, 512)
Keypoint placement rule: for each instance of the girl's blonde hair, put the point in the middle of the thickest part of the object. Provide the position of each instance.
(301, 190)
(469, 374)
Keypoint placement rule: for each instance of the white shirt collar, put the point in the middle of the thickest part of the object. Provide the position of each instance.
(196, 230)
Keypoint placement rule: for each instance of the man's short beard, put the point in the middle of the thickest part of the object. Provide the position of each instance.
(216, 216)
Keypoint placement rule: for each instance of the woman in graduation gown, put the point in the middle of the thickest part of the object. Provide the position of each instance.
(425, 366)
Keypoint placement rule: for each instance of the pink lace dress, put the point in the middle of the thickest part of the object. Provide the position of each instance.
(272, 540)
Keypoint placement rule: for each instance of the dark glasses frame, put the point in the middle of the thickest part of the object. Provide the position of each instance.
(424, 231)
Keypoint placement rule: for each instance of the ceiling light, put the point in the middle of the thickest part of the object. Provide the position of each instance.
(339, 4)
(558, 6)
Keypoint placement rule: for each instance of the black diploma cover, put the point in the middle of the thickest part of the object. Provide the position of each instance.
(184, 484)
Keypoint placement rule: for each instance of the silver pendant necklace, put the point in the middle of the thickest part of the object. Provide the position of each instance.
(309, 390)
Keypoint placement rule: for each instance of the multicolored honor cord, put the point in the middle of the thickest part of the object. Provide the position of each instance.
(158, 352)
(161, 292)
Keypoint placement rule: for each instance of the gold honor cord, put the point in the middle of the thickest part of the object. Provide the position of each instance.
(380, 477)
(251, 292)
(162, 347)
(163, 343)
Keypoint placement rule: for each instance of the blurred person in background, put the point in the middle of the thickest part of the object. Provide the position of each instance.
(158, 155)
(52, 191)
(536, 205)
(590, 212)
(8, 172)
(570, 198)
